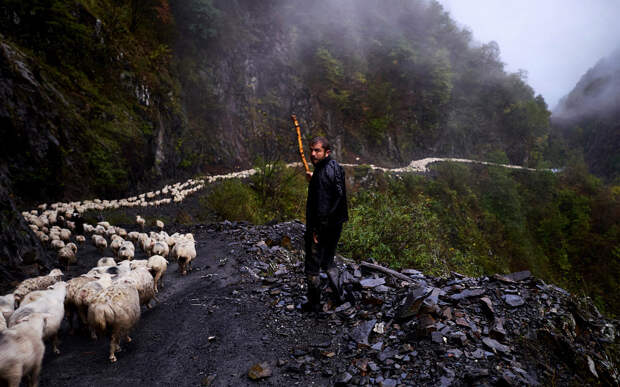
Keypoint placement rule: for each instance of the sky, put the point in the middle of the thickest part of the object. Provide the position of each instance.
(555, 41)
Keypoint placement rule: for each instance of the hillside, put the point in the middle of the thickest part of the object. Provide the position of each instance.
(103, 98)
(588, 118)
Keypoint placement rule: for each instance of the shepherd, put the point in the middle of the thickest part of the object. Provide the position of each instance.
(326, 211)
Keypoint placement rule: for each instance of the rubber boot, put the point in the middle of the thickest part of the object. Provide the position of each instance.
(314, 294)
(335, 283)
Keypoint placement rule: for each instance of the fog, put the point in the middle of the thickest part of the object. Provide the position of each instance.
(555, 41)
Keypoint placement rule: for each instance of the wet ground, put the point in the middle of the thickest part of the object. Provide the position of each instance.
(208, 328)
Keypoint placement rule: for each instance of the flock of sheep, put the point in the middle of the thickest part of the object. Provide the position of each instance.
(105, 301)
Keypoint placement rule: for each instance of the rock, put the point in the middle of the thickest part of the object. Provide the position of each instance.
(487, 306)
(456, 353)
(412, 303)
(260, 371)
(495, 345)
(498, 332)
(360, 333)
(343, 379)
(388, 383)
(437, 337)
(381, 289)
(519, 276)
(208, 381)
(343, 307)
(371, 282)
(387, 354)
(513, 300)
(467, 293)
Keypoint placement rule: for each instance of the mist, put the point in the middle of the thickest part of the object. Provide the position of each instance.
(555, 41)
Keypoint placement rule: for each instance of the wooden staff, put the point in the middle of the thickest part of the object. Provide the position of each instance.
(301, 147)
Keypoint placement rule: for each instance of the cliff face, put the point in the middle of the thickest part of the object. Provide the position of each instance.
(386, 84)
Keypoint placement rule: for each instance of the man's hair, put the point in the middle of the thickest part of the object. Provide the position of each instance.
(323, 141)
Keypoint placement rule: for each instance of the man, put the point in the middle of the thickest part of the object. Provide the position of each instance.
(326, 211)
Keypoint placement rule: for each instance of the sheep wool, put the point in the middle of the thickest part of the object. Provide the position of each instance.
(115, 311)
(21, 351)
(37, 283)
(51, 303)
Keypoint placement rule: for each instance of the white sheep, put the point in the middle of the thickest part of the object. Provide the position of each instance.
(136, 263)
(144, 283)
(159, 224)
(115, 311)
(158, 266)
(99, 230)
(99, 242)
(21, 351)
(115, 245)
(110, 231)
(126, 251)
(140, 221)
(65, 235)
(106, 261)
(80, 239)
(133, 236)
(184, 251)
(121, 231)
(36, 283)
(87, 293)
(73, 288)
(67, 255)
(50, 302)
(160, 248)
(7, 305)
(57, 244)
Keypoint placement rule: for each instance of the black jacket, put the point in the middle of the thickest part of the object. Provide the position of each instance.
(327, 197)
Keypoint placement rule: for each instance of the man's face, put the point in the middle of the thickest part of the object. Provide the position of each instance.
(317, 153)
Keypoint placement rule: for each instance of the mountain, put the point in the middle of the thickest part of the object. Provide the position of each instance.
(105, 97)
(111, 98)
(588, 118)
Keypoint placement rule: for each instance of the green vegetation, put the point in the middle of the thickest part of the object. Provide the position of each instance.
(564, 228)
(274, 193)
(472, 219)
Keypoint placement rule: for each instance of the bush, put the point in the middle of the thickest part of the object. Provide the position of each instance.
(233, 200)
(401, 233)
(273, 193)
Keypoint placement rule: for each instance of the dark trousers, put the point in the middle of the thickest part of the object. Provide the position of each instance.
(321, 255)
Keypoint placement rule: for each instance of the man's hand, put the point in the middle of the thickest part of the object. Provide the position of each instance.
(315, 237)
(308, 176)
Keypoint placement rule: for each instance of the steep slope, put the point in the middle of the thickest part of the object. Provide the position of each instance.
(589, 117)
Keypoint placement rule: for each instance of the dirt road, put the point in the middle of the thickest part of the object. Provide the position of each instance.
(209, 328)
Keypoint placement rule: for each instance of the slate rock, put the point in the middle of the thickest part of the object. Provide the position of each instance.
(487, 306)
(388, 383)
(495, 345)
(437, 337)
(412, 303)
(467, 293)
(360, 333)
(513, 300)
(343, 379)
(371, 282)
(519, 276)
